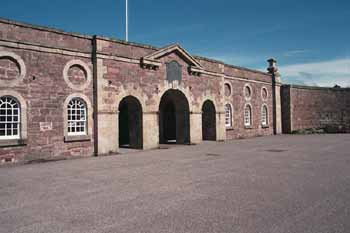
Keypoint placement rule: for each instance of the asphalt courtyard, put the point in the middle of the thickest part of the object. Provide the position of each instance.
(269, 184)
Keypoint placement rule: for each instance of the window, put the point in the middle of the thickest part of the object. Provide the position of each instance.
(247, 116)
(264, 116)
(228, 115)
(264, 93)
(247, 92)
(77, 117)
(228, 91)
(9, 118)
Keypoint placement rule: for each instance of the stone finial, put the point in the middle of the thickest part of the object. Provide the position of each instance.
(272, 66)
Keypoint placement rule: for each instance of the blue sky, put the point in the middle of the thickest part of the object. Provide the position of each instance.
(309, 38)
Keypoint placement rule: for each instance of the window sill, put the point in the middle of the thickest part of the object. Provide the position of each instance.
(77, 138)
(265, 126)
(12, 142)
(229, 128)
(248, 127)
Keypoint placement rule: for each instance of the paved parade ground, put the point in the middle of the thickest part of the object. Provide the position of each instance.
(274, 184)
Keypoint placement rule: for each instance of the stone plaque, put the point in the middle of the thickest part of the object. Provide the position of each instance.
(173, 70)
(45, 126)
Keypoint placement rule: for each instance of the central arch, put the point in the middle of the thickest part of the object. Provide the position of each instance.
(130, 123)
(209, 121)
(174, 118)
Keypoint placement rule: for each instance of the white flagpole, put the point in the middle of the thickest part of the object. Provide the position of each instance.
(126, 21)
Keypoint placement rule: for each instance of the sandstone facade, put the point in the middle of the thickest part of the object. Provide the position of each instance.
(315, 107)
(78, 95)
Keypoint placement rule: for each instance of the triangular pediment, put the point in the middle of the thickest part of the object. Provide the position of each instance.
(153, 58)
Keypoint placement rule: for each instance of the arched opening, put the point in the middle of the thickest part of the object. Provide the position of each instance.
(174, 118)
(130, 123)
(209, 121)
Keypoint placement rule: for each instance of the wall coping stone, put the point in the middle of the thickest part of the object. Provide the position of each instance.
(314, 87)
(43, 28)
(230, 65)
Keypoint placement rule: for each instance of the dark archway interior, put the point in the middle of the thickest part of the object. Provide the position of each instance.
(130, 123)
(174, 118)
(209, 121)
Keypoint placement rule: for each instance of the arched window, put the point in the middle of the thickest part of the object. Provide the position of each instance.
(228, 116)
(264, 116)
(247, 116)
(77, 117)
(10, 118)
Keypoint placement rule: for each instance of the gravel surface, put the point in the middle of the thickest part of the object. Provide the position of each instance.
(289, 183)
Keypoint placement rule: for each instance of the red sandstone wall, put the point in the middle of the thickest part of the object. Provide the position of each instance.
(123, 49)
(247, 74)
(122, 74)
(45, 91)
(312, 107)
(238, 102)
(14, 31)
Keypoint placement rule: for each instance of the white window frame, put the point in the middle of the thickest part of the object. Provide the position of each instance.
(248, 116)
(13, 101)
(264, 116)
(228, 116)
(80, 120)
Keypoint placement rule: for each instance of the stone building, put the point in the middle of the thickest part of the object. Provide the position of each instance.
(66, 94)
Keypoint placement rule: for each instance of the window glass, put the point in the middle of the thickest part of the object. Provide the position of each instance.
(76, 117)
(9, 118)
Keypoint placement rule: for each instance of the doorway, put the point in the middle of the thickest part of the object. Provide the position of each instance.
(130, 123)
(174, 118)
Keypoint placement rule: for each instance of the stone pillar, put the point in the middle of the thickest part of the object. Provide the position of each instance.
(108, 141)
(105, 116)
(150, 130)
(196, 127)
(220, 126)
(106, 119)
(276, 95)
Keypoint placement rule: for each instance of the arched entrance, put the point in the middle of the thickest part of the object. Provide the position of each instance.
(174, 118)
(209, 121)
(130, 123)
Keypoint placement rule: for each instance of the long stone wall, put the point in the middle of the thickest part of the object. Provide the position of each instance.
(315, 107)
